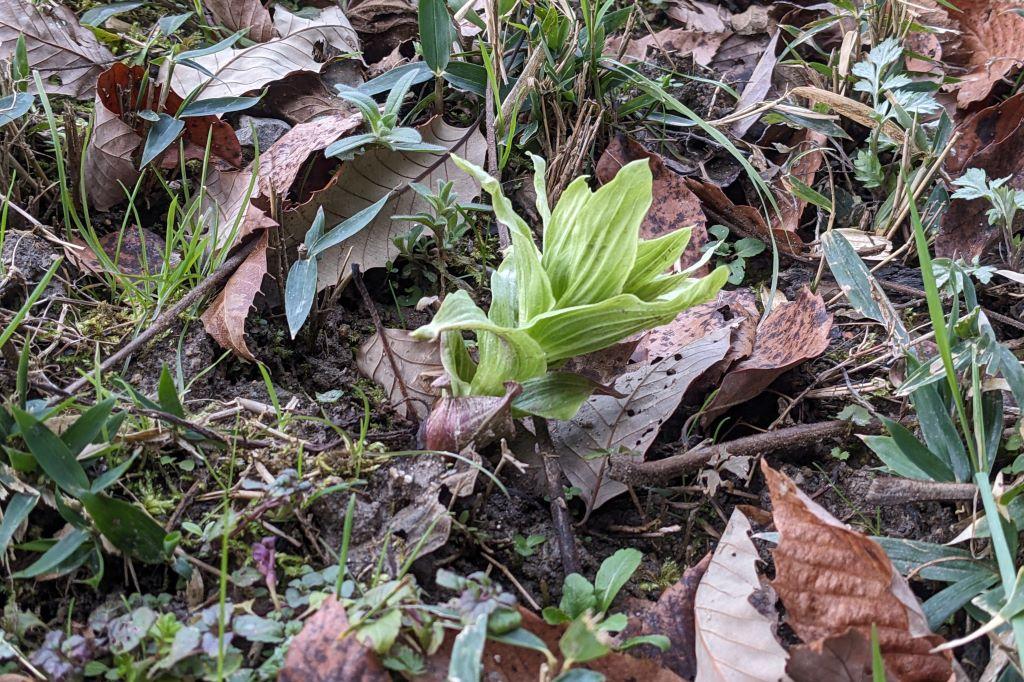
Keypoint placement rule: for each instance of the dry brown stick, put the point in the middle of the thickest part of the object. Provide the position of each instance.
(357, 277)
(559, 510)
(171, 314)
(803, 435)
(911, 291)
(892, 490)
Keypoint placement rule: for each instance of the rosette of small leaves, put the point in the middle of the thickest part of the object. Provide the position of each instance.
(594, 283)
(384, 128)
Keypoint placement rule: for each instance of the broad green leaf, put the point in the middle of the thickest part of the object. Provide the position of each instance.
(535, 295)
(52, 455)
(348, 227)
(167, 394)
(111, 476)
(614, 573)
(580, 643)
(17, 510)
(946, 602)
(435, 34)
(88, 426)
(580, 675)
(523, 638)
(258, 629)
(555, 395)
(393, 104)
(905, 455)
(127, 527)
(343, 149)
(457, 362)
(804, 191)
(466, 664)
(655, 256)
(603, 248)
(540, 167)
(299, 292)
(577, 595)
(162, 135)
(56, 555)
(217, 105)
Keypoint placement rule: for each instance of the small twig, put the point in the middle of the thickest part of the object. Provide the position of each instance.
(892, 490)
(559, 510)
(170, 315)
(803, 435)
(357, 276)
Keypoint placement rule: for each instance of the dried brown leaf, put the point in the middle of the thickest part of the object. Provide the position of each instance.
(281, 164)
(456, 422)
(734, 640)
(793, 333)
(832, 578)
(67, 54)
(369, 177)
(238, 14)
(626, 426)
(993, 140)
(791, 206)
(672, 616)
(301, 97)
(383, 25)
(843, 658)
(695, 15)
(674, 207)
(990, 45)
(224, 319)
(137, 252)
(674, 42)
(757, 86)
(319, 653)
(419, 363)
(238, 71)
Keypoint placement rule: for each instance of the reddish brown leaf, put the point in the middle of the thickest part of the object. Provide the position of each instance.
(319, 653)
(224, 320)
(300, 97)
(793, 332)
(747, 219)
(832, 579)
(674, 207)
(127, 252)
(456, 422)
(238, 14)
(671, 616)
(990, 45)
(280, 165)
(843, 658)
(791, 206)
(506, 663)
(991, 139)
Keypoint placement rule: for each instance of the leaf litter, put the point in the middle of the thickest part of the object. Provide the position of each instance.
(423, 427)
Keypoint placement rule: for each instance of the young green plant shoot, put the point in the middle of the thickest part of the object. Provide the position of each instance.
(595, 283)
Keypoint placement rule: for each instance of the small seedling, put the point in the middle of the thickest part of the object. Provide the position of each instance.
(527, 546)
(1005, 201)
(733, 256)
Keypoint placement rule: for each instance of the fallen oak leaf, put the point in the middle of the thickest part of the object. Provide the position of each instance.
(67, 55)
(793, 333)
(735, 640)
(322, 652)
(674, 207)
(419, 362)
(618, 426)
(238, 71)
(832, 578)
(368, 178)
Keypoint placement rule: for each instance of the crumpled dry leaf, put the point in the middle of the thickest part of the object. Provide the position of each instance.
(618, 426)
(831, 578)
(369, 177)
(473, 421)
(675, 42)
(238, 71)
(419, 363)
(993, 140)
(990, 45)
(67, 54)
(674, 207)
(843, 658)
(700, 16)
(507, 663)
(238, 14)
(280, 166)
(672, 616)
(793, 333)
(121, 93)
(319, 653)
(383, 25)
(224, 319)
(735, 640)
(127, 252)
(301, 97)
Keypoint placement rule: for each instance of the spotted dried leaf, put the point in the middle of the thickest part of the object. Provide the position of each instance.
(419, 363)
(674, 206)
(319, 653)
(298, 150)
(626, 426)
(793, 332)
(301, 97)
(734, 639)
(248, 14)
(366, 179)
(832, 579)
(66, 54)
